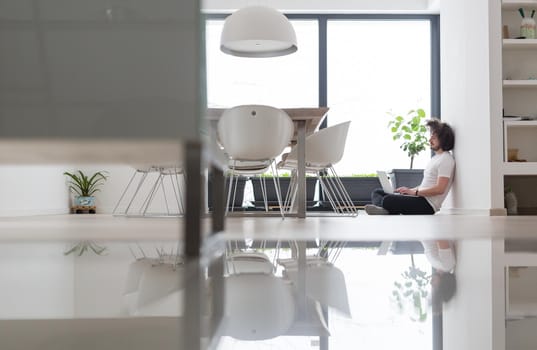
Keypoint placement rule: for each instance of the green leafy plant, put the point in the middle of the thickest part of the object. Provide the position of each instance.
(83, 185)
(412, 131)
(86, 246)
(412, 292)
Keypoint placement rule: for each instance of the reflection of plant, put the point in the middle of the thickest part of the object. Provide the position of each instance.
(86, 246)
(411, 129)
(84, 185)
(413, 291)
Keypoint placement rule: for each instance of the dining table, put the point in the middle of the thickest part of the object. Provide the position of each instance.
(305, 120)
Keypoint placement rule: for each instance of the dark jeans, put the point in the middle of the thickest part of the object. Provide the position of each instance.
(401, 204)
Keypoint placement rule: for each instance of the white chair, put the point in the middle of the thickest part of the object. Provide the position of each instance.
(252, 137)
(323, 149)
(139, 199)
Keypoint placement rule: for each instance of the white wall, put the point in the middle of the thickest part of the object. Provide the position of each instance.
(474, 319)
(33, 190)
(468, 79)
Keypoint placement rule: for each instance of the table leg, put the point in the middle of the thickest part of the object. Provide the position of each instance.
(301, 169)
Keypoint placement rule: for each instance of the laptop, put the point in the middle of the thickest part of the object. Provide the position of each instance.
(385, 182)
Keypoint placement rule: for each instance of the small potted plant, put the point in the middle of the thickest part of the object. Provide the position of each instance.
(84, 187)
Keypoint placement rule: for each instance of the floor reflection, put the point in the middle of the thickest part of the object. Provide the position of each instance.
(348, 295)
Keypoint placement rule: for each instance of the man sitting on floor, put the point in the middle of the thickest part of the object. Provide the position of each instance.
(427, 198)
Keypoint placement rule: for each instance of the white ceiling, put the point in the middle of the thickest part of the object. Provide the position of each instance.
(328, 6)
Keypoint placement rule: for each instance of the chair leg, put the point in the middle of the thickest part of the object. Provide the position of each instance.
(291, 192)
(164, 193)
(174, 180)
(336, 193)
(276, 180)
(151, 196)
(344, 195)
(229, 189)
(140, 183)
(264, 191)
(124, 192)
(234, 193)
(326, 189)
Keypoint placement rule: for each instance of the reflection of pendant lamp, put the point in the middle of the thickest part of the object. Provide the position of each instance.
(258, 32)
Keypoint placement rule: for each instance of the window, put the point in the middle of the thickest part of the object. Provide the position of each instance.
(376, 68)
(375, 65)
(284, 82)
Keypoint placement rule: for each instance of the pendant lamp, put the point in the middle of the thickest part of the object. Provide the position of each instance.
(258, 31)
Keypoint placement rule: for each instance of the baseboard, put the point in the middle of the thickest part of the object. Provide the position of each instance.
(473, 212)
(33, 212)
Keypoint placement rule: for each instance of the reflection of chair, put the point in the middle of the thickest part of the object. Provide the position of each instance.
(154, 284)
(139, 199)
(252, 137)
(249, 262)
(325, 283)
(323, 149)
(258, 306)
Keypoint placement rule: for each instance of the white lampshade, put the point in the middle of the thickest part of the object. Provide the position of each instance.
(258, 32)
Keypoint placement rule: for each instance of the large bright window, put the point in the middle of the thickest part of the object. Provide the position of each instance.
(286, 81)
(377, 67)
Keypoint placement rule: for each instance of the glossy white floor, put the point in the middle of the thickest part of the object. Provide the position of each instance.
(360, 228)
(52, 296)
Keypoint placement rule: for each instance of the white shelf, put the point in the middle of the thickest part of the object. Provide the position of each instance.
(520, 83)
(520, 168)
(530, 44)
(520, 123)
(520, 259)
(513, 5)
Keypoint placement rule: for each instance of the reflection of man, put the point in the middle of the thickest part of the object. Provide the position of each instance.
(427, 198)
(441, 256)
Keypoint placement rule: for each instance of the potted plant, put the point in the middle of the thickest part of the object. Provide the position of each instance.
(237, 187)
(84, 187)
(360, 186)
(284, 180)
(412, 131)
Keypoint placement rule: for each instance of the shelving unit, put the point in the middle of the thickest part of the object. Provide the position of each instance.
(519, 74)
(519, 70)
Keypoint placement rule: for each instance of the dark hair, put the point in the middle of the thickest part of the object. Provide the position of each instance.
(446, 287)
(444, 132)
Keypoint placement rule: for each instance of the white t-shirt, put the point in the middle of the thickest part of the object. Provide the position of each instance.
(443, 165)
